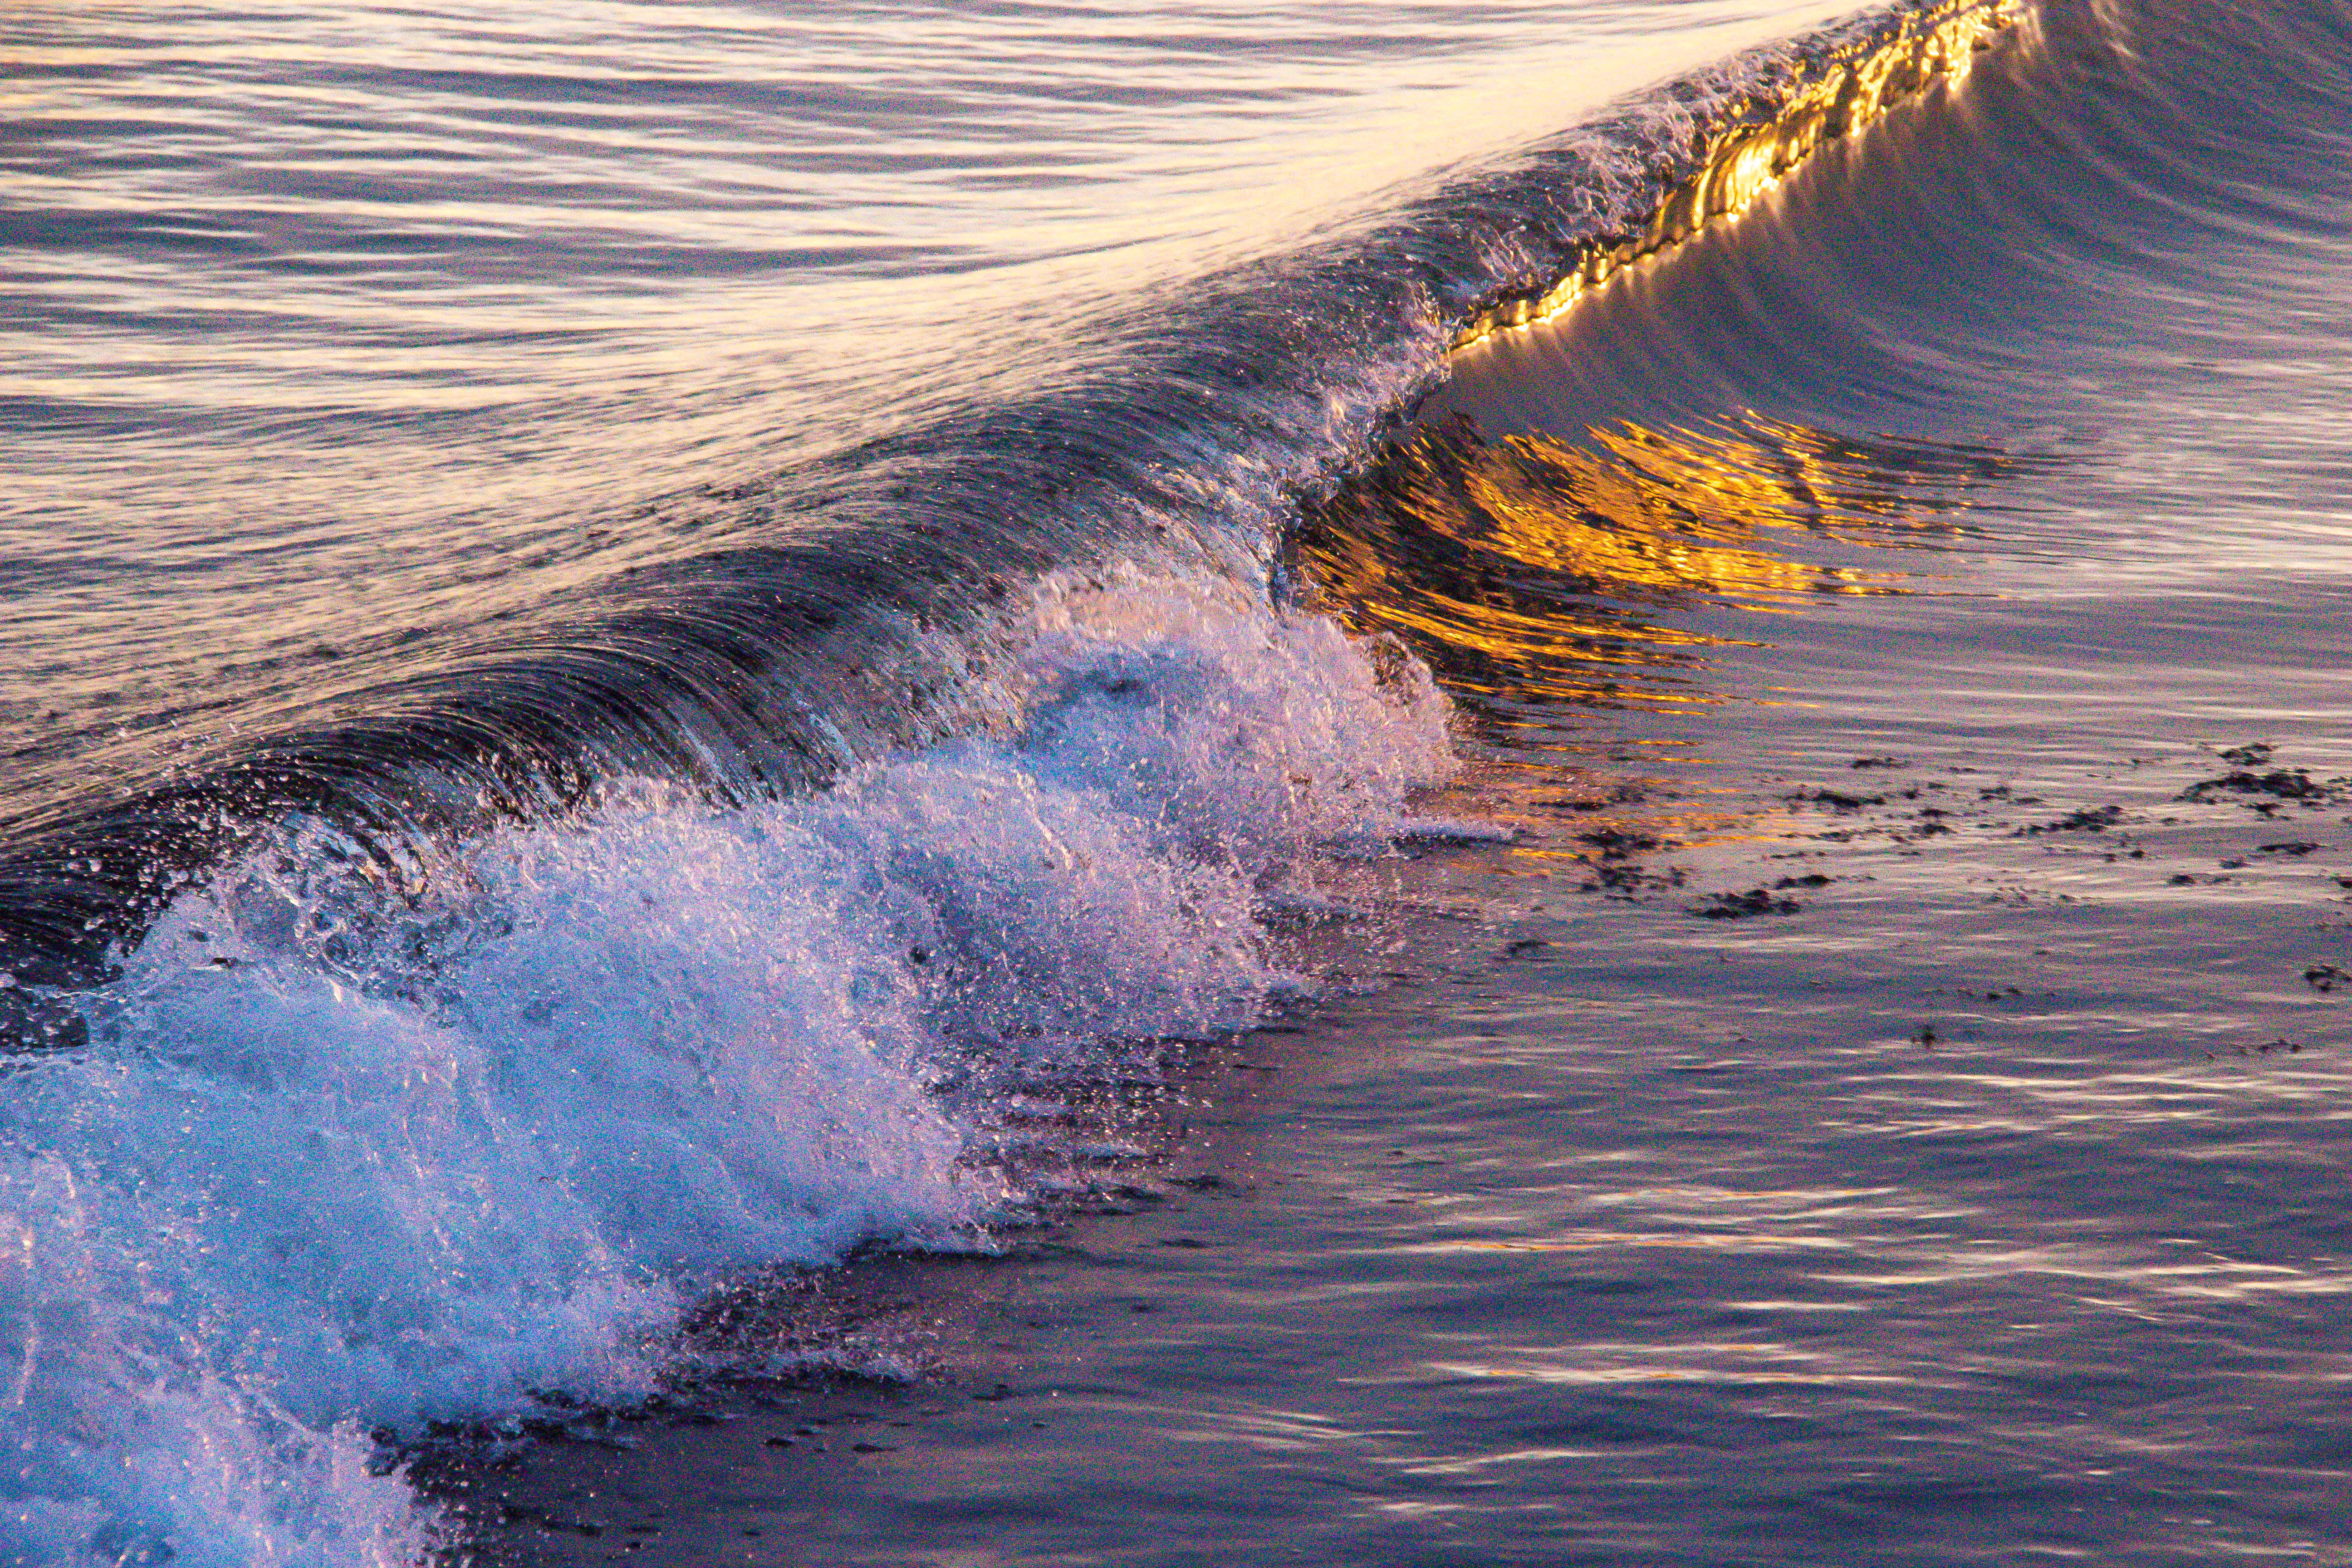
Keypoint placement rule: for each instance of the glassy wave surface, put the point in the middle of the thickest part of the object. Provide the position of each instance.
(651, 646)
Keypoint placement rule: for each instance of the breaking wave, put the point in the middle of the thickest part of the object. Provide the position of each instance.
(405, 1069)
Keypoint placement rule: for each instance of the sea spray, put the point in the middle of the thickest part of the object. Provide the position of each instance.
(340, 1159)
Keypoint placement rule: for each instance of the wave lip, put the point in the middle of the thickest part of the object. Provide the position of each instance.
(1750, 139)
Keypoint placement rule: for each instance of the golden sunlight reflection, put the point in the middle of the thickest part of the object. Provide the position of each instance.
(1528, 570)
(1750, 155)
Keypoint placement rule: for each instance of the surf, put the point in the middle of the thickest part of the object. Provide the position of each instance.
(401, 1068)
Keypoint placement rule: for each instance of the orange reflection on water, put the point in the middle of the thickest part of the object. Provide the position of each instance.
(1753, 144)
(1531, 570)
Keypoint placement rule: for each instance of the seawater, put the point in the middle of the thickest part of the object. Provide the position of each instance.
(801, 788)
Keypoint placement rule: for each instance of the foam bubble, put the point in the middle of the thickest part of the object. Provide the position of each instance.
(338, 1160)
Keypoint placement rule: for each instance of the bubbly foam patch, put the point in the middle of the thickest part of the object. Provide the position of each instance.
(337, 1162)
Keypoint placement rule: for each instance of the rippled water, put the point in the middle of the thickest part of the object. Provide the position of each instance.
(287, 288)
(740, 887)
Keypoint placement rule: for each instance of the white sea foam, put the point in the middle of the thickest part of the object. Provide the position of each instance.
(328, 1167)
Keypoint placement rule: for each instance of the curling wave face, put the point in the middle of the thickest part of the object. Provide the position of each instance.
(2019, 272)
(860, 603)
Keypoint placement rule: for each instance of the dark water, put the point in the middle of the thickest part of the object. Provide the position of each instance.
(1702, 929)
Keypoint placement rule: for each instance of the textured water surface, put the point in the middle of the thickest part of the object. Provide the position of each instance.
(1025, 785)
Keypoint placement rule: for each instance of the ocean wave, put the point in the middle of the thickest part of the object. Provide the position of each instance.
(331, 1162)
(396, 1068)
(864, 605)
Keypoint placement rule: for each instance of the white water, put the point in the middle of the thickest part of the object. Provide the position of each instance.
(330, 1167)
